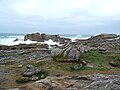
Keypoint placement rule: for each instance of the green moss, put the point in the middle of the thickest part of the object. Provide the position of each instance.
(38, 64)
(95, 57)
(72, 68)
(42, 74)
(23, 80)
(59, 57)
(102, 68)
(115, 57)
(84, 68)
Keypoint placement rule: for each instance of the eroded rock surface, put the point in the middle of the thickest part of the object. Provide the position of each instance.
(86, 82)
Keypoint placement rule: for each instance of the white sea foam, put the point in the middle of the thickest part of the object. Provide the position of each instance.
(114, 38)
(16, 36)
(79, 35)
(10, 42)
(50, 42)
(74, 39)
(9, 39)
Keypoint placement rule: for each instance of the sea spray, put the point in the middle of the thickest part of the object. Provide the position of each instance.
(9, 39)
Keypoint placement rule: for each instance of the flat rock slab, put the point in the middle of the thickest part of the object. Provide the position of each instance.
(86, 82)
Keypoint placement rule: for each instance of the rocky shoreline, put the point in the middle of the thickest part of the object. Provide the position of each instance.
(98, 54)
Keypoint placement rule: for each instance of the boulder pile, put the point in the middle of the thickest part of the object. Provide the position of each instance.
(43, 37)
(31, 74)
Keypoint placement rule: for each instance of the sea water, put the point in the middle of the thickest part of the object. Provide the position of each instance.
(9, 38)
(73, 37)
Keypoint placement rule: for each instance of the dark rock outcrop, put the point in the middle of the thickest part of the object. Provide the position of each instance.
(34, 37)
(42, 37)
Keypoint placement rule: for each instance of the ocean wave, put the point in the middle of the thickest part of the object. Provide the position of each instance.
(74, 37)
(10, 39)
(50, 42)
(22, 37)
(79, 35)
(11, 42)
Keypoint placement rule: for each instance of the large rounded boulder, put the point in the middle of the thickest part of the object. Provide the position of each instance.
(57, 54)
(70, 53)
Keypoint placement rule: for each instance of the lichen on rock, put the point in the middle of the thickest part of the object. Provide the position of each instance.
(70, 53)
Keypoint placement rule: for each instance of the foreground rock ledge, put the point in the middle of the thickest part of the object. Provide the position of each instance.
(86, 82)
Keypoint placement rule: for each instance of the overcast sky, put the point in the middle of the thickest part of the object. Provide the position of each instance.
(60, 16)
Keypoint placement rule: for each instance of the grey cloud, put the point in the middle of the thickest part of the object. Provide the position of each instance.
(79, 21)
